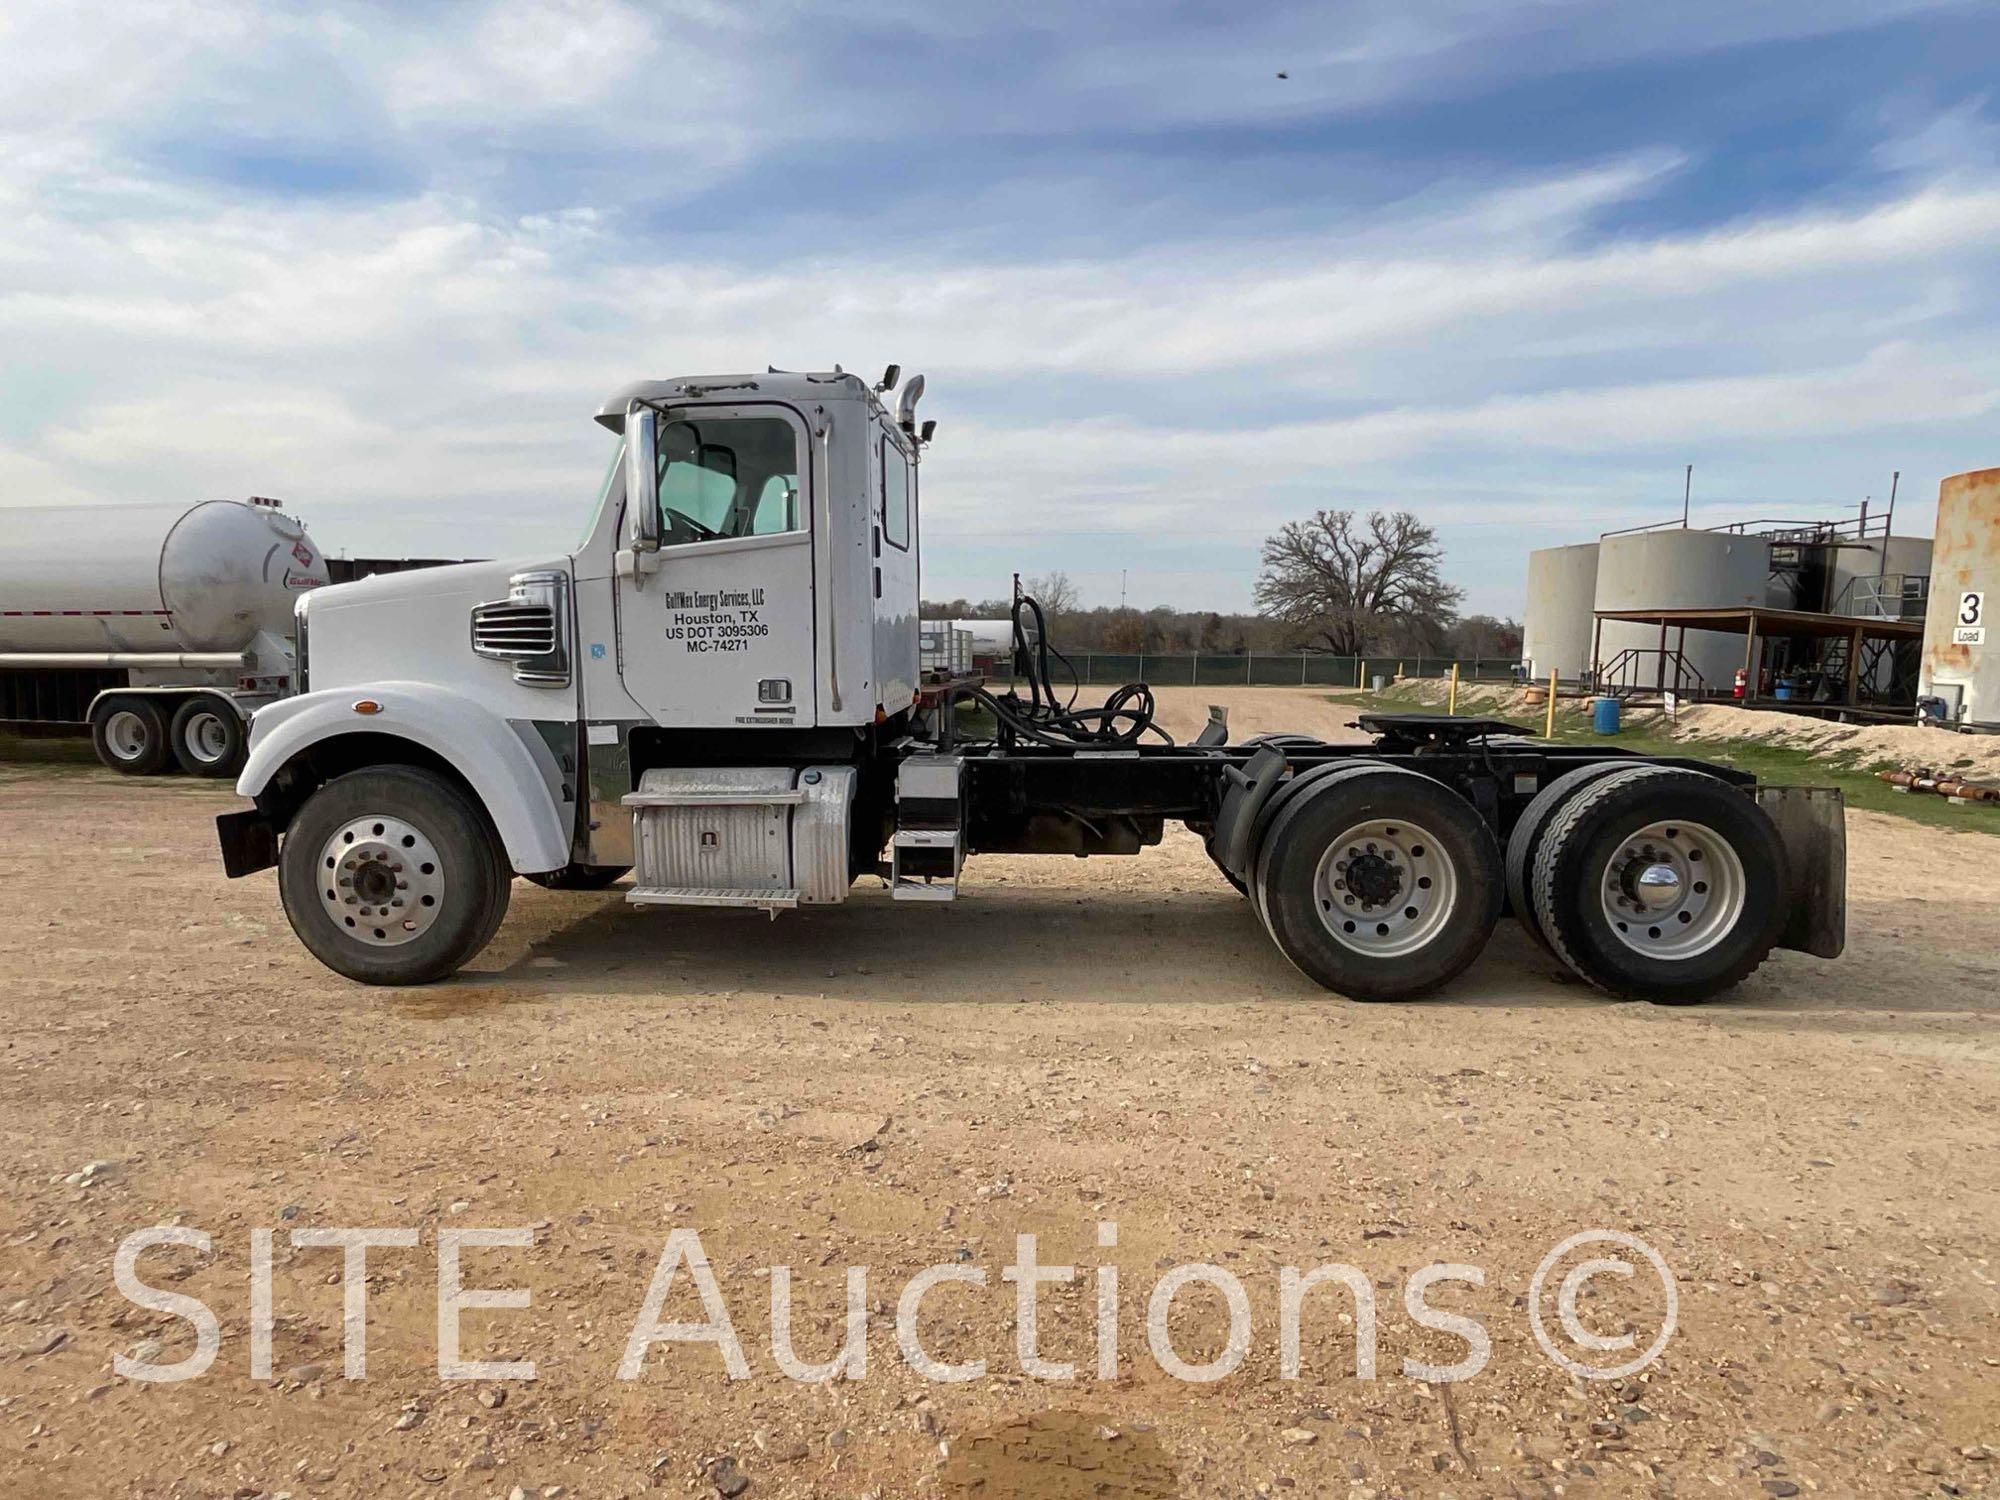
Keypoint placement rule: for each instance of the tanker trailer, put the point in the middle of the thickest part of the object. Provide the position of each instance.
(161, 628)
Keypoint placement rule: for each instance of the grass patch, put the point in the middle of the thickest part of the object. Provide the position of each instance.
(1776, 765)
(41, 749)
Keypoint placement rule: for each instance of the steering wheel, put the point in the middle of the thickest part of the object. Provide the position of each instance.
(701, 532)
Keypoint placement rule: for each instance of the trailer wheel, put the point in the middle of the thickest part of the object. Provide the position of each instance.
(1661, 884)
(207, 737)
(130, 735)
(577, 877)
(392, 875)
(1526, 839)
(1381, 884)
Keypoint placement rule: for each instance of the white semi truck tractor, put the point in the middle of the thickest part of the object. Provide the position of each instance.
(718, 692)
(162, 628)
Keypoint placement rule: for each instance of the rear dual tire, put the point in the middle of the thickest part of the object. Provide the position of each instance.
(1659, 884)
(208, 738)
(1526, 839)
(130, 736)
(1378, 883)
(136, 736)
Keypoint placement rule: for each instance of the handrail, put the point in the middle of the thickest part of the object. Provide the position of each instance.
(1777, 529)
(1618, 673)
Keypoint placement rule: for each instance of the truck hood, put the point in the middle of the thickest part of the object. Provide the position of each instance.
(415, 625)
(419, 583)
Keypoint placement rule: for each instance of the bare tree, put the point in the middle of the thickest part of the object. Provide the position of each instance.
(1484, 635)
(1350, 585)
(1056, 592)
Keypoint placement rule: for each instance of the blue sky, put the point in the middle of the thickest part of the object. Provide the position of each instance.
(1508, 266)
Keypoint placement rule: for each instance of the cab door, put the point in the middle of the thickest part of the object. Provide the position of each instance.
(897, 584)
(719, 633)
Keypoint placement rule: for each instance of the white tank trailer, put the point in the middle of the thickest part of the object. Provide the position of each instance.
(1960, 676)
(161, 627)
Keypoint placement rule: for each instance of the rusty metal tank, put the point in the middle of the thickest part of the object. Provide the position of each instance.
(1961, 662)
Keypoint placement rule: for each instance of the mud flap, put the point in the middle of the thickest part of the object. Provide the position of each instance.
(1812, 822)
(249, 843)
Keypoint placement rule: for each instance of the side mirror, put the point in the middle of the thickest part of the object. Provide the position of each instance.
(889, 378)
(642, 470)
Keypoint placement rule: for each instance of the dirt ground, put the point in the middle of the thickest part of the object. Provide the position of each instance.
(900, 1086)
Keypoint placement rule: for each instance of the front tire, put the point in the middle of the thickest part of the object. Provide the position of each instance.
(393, 875)
(1379, 884)
(130, 736)
(208, 738)
(1661, 884)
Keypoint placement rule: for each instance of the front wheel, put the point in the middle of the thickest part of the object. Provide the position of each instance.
(392, 875)
(1379, 884)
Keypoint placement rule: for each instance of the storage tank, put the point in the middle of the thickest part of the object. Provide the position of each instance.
(989, 637)
(143, 578)
(1557, 624)
(1679, 570)
(1866, 582)
(1961, 662)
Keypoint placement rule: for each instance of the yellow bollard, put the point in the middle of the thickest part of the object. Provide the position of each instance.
(1451, 702)
(1549, 729)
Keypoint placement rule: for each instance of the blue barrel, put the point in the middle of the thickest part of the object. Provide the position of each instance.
(1604, 715)
(1786, 692)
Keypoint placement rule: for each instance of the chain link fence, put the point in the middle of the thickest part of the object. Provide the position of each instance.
(1266, 669)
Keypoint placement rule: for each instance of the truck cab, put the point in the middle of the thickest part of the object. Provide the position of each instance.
(744, 596)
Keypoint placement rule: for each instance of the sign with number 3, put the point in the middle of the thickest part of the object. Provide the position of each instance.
(1968, 627)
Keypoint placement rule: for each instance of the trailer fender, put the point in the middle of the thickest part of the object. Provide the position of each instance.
(1244, 794)
(472, 739)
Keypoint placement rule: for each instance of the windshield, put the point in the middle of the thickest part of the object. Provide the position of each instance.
(603, 493)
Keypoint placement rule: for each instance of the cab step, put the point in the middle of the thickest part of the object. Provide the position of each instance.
(923, 864)
(706, 895)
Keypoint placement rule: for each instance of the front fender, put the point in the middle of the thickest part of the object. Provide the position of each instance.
(462, 732)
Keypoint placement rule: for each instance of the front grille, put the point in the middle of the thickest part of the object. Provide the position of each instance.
(514, 632)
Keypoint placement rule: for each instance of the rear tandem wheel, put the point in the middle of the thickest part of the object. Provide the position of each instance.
(1661, 884)
(1379, 883)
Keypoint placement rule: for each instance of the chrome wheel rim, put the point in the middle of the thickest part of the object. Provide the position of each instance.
(1672, 890)
(381, 881)
(1385, 888)
(206, 737)
(126, 733)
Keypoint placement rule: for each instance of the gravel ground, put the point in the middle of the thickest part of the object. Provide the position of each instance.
(1070, 1044)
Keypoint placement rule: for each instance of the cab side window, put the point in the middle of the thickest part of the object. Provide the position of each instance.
(733, 477)
(895, 496)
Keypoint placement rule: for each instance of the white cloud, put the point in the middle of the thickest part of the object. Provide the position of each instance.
(419, 371)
